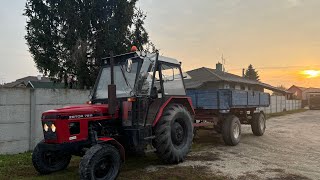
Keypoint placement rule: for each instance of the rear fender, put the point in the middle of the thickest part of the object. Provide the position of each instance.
(115, 143)
(185, 101)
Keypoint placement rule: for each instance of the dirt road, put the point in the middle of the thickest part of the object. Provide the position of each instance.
(290, 149)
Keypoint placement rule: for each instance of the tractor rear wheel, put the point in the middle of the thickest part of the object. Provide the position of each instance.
(174, 134)
(100, 162)
(231, 130)
(258, 124)
(46, 162)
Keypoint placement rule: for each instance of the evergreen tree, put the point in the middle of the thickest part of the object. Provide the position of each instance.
(251, 73)
(69, 37)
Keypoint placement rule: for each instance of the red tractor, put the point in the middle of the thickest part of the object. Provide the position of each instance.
(138, 99)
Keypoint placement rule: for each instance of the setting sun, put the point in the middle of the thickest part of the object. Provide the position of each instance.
(311, 73)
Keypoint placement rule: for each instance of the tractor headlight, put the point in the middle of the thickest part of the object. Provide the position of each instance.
(45, 127)
(53, 128)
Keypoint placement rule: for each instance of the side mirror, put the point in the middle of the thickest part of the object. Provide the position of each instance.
(129, 65)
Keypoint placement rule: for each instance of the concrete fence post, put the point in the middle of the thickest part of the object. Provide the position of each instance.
(276, 104)
(32, 118)
(270, 105)
(281, 104)
(285, 104)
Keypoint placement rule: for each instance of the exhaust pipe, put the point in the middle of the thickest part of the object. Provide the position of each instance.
(112, 95)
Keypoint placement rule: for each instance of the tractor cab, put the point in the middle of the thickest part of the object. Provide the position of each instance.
(142, 80)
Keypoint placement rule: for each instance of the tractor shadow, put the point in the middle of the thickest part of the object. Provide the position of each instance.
(205, 138)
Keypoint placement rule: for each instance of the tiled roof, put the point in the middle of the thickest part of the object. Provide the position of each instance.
(306, 89)
(25, 81)
(202, 75)
(46, 85)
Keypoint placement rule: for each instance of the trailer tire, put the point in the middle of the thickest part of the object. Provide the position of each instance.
(231, 130)
(174, 134)
(100, 162)
(46, 162)
(258, 124)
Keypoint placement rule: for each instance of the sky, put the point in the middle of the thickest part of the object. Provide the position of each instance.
(280, 38)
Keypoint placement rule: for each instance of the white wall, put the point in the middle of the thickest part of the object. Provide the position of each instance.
(20, 114)
(280, 104)
(14, 120)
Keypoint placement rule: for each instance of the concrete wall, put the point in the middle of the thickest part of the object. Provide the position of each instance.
(20, 113)
(14, 120)
(280, 104)
(21, 109)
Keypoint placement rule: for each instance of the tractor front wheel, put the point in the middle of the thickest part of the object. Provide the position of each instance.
(174, 134)
(46, 162)
(100, 162)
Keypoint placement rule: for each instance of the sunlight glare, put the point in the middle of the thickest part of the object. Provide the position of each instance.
(311, 73)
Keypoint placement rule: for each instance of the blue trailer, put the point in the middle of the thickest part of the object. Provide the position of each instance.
(227, 109)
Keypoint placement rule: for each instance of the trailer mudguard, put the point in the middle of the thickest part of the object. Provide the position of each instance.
(115, 143)
(185, 101)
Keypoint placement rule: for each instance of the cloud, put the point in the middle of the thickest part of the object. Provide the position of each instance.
(293, 3)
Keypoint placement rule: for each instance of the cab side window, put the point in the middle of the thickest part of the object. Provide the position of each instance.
(172, 80)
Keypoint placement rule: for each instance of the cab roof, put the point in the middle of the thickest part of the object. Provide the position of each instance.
(142, 55)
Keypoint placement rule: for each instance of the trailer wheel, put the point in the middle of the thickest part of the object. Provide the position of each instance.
(258, 124)
(46, 162)
(100, 162)
(231, 130)
(174, 134)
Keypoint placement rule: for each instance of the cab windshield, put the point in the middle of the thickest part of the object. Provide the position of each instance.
(123, 80)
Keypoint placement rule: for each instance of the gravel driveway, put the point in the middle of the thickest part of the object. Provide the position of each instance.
(290, 149)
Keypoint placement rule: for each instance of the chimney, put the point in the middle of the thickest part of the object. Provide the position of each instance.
(243, 72)
(39, 77)
(219, 67)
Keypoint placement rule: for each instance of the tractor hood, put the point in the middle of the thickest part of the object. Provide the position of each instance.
(77, 112)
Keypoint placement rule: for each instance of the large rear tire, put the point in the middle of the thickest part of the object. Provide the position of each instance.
(101, 162)
(258, 124)
(174, 134)
(46, 162)
(231, 130)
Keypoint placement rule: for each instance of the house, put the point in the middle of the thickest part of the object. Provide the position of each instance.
(206, 78)
(34, 82)
(302, 92)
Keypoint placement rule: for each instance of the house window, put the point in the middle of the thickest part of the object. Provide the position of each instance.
(232, 86)
(242, 87)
